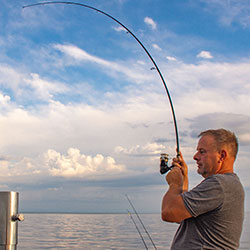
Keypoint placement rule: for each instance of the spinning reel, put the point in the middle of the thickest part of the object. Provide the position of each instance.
(164, 168)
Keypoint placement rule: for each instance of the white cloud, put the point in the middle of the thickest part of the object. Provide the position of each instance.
(156, 46)
(210, 87)
(26, 87)
(78, 165)
(141, 62)
(80, 54)
(52, 163)
(119, 29)
(4, 100)
(133, 73)
(149, 21)
(45, 89)
(131, 119)
(24, 167)
(205, 55)
(171, 58)
(11, 78)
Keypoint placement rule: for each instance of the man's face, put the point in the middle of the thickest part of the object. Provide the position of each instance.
(207, 157)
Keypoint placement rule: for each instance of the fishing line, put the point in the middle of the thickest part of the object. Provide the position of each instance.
(147, 52)
(137, 230)
(146, 231)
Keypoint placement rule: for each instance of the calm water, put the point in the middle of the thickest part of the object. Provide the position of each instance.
(99, 231)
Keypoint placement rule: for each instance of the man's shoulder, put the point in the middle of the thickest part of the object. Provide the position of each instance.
(219, 182)
(226, 177)
(227, 181)
(212, 180)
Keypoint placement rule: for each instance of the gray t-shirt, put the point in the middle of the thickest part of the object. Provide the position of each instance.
(217, 209)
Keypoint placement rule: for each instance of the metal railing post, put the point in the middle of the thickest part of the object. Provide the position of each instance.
(8, 220)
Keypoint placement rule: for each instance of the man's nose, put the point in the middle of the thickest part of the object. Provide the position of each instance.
(195, 156)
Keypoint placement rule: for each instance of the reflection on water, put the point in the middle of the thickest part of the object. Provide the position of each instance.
(98, 231)
(90, 231)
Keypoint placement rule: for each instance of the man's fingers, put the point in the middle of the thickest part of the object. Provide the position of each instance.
(176, 166)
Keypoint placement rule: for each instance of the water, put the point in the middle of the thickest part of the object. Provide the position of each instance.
(99, 231)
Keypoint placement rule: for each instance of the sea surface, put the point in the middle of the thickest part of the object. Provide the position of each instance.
(100, 231)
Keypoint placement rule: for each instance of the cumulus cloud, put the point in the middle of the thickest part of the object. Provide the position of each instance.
(71, 165)
(150, 22)
(205, 55)
(18, 168)
(75, 164)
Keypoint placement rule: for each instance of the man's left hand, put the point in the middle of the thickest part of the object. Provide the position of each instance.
(175, 176)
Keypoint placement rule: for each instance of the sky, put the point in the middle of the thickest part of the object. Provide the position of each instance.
(84, 116)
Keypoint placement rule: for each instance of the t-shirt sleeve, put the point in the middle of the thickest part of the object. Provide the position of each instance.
(205, 197)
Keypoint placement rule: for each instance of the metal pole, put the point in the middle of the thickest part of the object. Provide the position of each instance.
(8, 220)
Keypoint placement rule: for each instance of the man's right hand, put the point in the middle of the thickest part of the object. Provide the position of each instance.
(179, 162)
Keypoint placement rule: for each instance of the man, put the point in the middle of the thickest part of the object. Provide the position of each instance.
(211, 214)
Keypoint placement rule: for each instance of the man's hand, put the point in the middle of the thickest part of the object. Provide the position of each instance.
(181, 164)
(173, 208)
(175, 176)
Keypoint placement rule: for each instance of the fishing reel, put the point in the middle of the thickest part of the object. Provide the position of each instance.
(164, 168)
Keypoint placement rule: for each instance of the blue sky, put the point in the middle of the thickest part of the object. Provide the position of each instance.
(83, 119)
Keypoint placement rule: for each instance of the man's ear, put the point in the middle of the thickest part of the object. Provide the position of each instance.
(223, 155)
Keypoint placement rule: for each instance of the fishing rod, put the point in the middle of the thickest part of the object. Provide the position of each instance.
(164, 157)
(138, 230)
(146, 231)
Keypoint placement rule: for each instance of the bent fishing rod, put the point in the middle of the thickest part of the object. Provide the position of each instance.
(164, 157)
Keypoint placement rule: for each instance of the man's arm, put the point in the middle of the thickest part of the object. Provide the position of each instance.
(173, 207)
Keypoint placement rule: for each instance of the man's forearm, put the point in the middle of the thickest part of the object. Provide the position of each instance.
(171, 201)
(173, 191)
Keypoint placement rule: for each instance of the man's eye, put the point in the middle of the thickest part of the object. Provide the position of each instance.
(202, 151)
